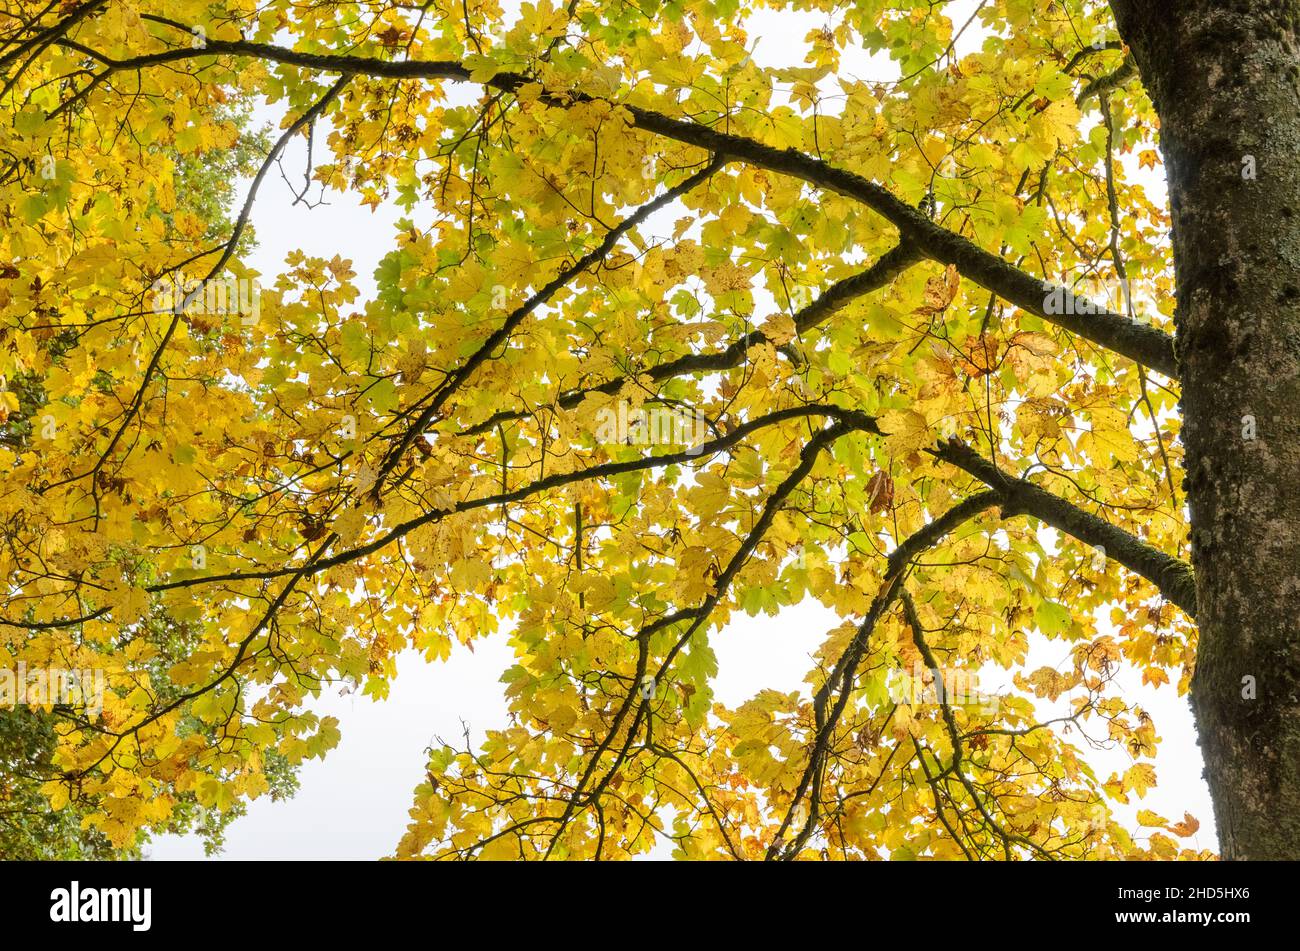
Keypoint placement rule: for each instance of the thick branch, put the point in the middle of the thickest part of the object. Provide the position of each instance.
(1141, 342)
(1172, 577)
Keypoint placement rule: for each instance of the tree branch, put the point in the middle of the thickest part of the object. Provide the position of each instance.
(845, 671)
(1171, 576)
(1145, 344)
(888, 266)
(517, 316)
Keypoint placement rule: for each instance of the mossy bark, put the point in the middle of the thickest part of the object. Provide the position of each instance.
(1223, 78)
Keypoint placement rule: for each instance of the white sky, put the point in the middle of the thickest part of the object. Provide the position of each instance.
(354, 804)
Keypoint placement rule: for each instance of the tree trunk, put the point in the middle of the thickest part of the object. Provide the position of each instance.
(1224, 78)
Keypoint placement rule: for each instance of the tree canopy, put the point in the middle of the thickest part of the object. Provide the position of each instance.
(666, 336)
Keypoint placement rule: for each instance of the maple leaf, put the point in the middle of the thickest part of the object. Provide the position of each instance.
(940, 291)
(880, 493)
(392, 36)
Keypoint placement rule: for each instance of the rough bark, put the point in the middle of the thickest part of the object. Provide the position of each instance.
(1223, 78)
